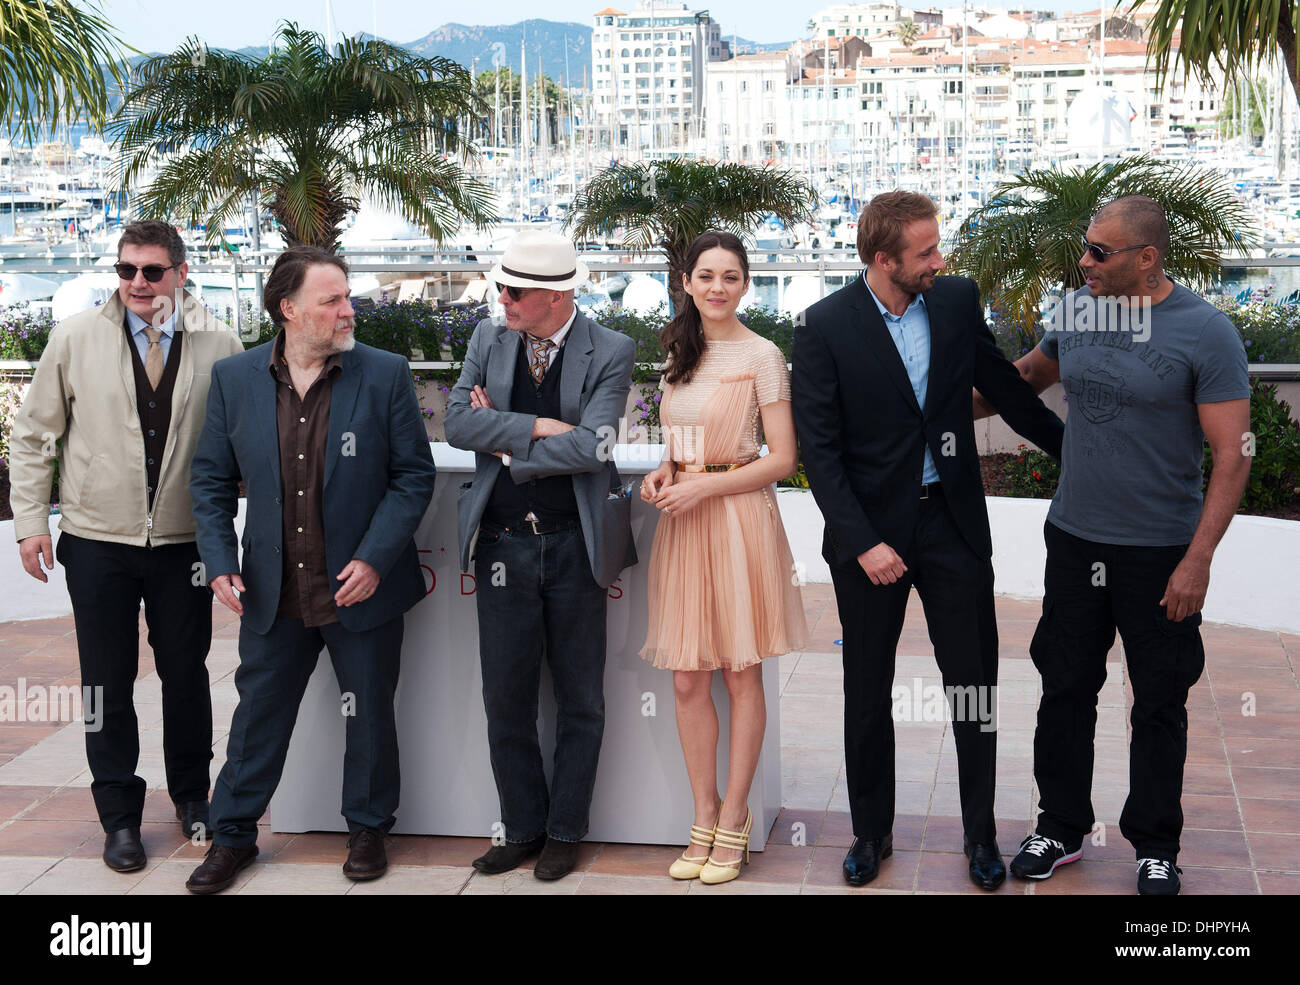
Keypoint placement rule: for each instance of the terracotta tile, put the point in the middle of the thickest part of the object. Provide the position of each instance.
(637, 860)
(429, 850)
(1265, 724)
(1220, 813)
(315, 847)
(1279, 883)
(1275, 851)
(837, 830)
(1217, 882)
(15, 738)
(1090, 877)
(1269, 816)
(16, 800)
(743, 886)
(1231, 680)
(1267, 782)
(47, 837)
(1263, 752)
(1208, 780)
(67, 804)
(782, 864)
(1223, 849)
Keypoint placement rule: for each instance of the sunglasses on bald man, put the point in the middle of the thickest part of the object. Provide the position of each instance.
(1100, 255)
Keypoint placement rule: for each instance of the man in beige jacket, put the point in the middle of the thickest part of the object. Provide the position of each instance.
(118, 400)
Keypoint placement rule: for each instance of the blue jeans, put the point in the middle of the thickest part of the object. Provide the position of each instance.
(536, 596)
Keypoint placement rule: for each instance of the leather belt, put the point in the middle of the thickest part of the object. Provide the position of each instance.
(535, 527)
(931, 489)
(685, 467)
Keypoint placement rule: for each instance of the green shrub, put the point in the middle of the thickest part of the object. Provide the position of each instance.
(1275, 467)
(23, 332)
(1031, 474)
(1270, 330)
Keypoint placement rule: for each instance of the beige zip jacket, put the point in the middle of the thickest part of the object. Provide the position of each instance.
(83, 397)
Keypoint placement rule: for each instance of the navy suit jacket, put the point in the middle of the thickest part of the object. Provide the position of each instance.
(379, 477)
(863, 435)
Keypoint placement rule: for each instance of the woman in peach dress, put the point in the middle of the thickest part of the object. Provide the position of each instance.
(723, 588)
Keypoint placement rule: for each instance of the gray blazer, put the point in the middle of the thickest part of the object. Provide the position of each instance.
(596, 376)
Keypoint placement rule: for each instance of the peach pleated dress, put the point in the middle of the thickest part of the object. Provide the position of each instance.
(723, 588)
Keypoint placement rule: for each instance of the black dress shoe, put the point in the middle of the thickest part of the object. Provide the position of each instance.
(986, 868)
(123, 851)
(193, 816)
(219, 868)
(503, 858)
(862, 863)
(366, 856)
(557, 861)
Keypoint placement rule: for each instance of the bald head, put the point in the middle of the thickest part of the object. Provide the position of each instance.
(1141, 218)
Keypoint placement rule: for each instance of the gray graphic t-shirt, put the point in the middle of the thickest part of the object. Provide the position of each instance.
(1131, 462)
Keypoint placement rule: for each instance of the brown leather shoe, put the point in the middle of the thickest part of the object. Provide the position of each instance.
(366, 856)
(219, 868)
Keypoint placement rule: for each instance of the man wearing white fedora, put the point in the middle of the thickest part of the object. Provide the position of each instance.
(553, 533)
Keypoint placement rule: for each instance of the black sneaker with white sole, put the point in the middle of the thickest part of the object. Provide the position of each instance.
(1039, 856)
(1158, 877)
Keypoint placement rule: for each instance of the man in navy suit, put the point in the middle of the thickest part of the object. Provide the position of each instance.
(327, 436)
(883, 371)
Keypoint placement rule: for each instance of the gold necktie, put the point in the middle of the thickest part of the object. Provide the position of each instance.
(541, 361)
(153, 360)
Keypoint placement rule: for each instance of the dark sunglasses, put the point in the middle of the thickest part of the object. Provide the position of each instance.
(516, 293)
(1100, 255)
(153, 273)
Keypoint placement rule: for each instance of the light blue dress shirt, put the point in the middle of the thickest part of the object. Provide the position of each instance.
(138, 325)
(911, 334)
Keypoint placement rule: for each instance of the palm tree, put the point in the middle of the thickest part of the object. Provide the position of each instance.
(306, 131)
(1234, 36)
(908, 32)
(53, 56)
(666, 204)
(1025, 242)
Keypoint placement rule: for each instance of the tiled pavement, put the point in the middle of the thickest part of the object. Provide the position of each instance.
(1241, 791)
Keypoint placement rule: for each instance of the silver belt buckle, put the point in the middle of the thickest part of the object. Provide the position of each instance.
(532, 520)
(925, 491)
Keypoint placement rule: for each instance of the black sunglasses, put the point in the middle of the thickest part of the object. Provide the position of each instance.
(516, 293)
(153, 273)
(1100, 255)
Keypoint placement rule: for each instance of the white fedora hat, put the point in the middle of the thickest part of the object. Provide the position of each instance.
(536, 258)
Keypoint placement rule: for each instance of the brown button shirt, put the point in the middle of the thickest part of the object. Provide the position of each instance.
(302, 420)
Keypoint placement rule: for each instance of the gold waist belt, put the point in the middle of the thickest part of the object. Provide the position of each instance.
(684, 467)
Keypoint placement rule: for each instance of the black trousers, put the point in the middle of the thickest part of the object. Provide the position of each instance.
(956, 589)
(273, 673)
(1092, 589)
(106, 583)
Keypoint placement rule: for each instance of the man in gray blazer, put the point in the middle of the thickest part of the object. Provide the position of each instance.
(535, 400)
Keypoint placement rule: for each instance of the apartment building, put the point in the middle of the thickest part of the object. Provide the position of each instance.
(648, 75)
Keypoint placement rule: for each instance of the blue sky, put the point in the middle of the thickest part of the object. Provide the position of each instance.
(155, 25)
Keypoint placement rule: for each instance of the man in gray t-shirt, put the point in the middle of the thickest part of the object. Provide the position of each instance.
(1150, 372)
(1134, 375)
